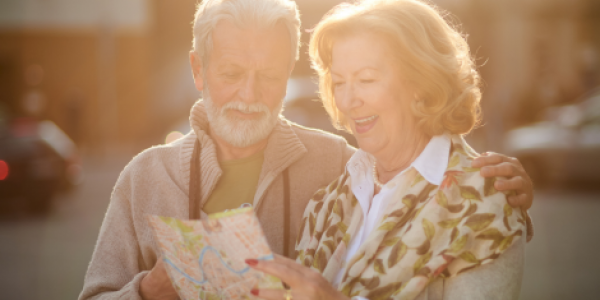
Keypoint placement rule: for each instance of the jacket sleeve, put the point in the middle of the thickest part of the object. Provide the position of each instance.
(114, 271)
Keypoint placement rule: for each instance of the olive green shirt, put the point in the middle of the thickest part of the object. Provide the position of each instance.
(237, 185)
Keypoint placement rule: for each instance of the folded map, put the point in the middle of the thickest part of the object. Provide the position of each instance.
(206, 259)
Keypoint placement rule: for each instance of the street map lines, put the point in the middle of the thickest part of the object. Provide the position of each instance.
(206, 259)
(223, 262)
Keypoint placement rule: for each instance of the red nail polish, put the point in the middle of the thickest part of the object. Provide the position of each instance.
(254, 292)
(251, 262)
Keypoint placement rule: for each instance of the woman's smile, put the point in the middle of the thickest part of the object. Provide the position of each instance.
(363, 125)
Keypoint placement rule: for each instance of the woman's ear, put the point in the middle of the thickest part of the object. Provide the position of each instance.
(196, 64)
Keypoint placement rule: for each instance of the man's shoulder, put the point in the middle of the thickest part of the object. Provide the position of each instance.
(159, 159)
(324, 151)
(312, 137)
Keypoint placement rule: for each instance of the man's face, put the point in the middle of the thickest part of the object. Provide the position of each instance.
(244, 81)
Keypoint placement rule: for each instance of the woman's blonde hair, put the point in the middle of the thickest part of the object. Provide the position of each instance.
(433, 57)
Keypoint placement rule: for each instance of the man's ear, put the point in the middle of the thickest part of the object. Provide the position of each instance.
(196, 64)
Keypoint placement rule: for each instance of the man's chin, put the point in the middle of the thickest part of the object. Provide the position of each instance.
(238, 116)
(243, 134)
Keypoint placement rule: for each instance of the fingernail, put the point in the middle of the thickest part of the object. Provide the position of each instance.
(254, 292)
(475, 163)
(251, 262)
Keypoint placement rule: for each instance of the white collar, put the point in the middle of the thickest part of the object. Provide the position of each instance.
(431, 163)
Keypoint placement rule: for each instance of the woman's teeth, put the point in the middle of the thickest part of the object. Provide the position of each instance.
(366, 120)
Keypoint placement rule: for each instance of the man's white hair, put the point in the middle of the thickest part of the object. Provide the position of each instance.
(245, 14)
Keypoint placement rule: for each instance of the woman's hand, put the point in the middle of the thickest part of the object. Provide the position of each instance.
(305, 284)
(157, 285)
(495, 164)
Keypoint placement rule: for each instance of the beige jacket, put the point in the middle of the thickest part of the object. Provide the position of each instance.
(156, 182)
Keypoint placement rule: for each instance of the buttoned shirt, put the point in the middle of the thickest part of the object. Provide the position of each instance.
(431, 164)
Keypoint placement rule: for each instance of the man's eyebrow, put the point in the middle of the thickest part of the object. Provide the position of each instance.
(229, 64)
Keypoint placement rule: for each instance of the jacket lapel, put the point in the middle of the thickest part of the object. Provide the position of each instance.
(210, 171)
(283, 149)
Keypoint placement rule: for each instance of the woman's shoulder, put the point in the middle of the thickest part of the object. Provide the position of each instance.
(465, 192)
(472, 223)
(461, 172)
(339, 187)
(334, 199)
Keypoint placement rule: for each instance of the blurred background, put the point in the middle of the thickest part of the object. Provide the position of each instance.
(85, 85)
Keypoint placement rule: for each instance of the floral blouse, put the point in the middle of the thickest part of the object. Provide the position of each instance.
(428, 231)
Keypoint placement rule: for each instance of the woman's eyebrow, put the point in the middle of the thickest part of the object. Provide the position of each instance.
(357, 71)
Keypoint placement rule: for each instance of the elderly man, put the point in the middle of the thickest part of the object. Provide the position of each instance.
(240, 151)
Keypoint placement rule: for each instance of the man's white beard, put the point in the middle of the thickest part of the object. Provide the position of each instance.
(236, 131)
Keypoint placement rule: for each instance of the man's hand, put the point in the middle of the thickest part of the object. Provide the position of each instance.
(495, 164)
(157, 285)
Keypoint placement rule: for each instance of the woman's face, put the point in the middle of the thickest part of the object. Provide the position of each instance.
(371, 93)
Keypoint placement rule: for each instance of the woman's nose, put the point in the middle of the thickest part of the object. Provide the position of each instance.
(347, 98)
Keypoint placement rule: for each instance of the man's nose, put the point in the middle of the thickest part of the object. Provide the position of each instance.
(248, 91)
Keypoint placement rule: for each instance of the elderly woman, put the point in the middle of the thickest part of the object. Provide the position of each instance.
(409, 218)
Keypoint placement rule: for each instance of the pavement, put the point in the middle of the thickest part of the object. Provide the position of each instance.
(561, 261)
(47, 257)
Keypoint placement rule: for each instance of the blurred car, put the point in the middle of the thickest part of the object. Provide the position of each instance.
(37, 159)
(301, 105)
(563, 148)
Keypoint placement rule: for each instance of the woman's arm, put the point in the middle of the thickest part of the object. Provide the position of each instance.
(500, 279)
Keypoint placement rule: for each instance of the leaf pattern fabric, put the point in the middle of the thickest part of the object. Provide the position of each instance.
(428, 232)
